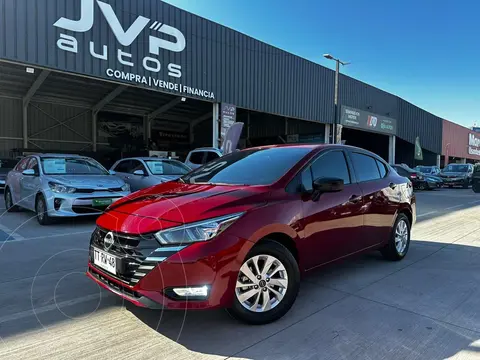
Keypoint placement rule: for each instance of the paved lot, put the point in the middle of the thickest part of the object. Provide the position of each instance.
(425, 307)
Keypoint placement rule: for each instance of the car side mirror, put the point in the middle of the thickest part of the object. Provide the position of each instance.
(139, 173)
(29, 172)
(111, 172)
(327, 185)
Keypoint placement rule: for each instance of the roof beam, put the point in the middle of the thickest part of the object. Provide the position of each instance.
(35, 86)
(164, 108)
(201, 119)
(101, 104)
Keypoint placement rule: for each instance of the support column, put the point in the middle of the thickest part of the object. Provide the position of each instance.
(327, 133)
(391, 149)
(463, 161)
(25, 126)
(439, 160)
(94, 131)
(286, 126)
(215, 124)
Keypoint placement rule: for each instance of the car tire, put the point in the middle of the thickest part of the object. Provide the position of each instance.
(285, 273)
(41, 211)
(476, 188)
(421, 186)
(9, 202)
(399, 241)
(466, 184)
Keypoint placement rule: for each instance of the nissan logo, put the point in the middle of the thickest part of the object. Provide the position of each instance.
(108, 241)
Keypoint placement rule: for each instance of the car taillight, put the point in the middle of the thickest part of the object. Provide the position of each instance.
(413, 176)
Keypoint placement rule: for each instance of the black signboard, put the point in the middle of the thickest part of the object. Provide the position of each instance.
(228, 115)
(359, 119)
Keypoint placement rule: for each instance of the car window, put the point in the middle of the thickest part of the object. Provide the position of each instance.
(72, 166)
(167, 167)
(256, 166)
(382, 168)
(124, 166)
(365, 167)
(331, 165)
(137, 165)
(401, 171)
(196, 157)
(22, 165)
(211, 155)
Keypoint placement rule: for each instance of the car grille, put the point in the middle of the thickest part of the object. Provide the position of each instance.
(138, 254)
(91, 191)
(85, 209)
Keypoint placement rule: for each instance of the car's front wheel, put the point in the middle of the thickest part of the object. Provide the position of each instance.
(399, 241)
(42, 211)
(267, 284)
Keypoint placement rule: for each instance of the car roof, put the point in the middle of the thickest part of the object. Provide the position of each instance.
(60, 155)
(205, 149)
(144, 158)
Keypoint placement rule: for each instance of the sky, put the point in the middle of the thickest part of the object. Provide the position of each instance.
(427, 52)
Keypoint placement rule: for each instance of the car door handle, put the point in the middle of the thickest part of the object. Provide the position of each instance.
(392, 186)
(354, 199)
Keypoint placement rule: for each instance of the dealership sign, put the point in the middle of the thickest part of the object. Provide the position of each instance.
(364, 120)
(126, 37)
(473, 144)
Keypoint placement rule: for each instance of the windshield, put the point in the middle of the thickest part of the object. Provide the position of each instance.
(425, 169)
(72, 166)
(167, 167)
(248, 167)
(456, 168)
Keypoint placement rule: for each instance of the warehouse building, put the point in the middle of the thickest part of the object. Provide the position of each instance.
(104, 77)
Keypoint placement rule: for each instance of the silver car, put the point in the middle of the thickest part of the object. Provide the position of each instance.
(143, 172)
(57, 185)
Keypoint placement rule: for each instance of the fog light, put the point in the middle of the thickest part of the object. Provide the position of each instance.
(192, 291)
(57, 203)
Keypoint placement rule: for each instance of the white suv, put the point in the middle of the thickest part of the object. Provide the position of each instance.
(201, 156)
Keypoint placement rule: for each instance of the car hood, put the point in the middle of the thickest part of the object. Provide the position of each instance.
(88, 181)
(165, 178)
(453, 173)
(174, 203)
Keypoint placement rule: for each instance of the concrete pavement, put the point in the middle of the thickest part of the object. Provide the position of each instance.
(425, 307)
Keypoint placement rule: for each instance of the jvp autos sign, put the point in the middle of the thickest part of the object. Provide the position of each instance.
(123, 62)
(364, 120)
(474, 144)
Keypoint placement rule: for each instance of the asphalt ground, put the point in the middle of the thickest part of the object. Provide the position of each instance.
(424, 307)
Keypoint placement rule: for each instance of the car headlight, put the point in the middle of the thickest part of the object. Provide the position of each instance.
(195, 232)
(126, 187)
(61, 189)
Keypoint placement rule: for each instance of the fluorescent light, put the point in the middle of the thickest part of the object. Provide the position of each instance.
(30, 70)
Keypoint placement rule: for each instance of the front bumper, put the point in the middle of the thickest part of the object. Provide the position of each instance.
(214, 264)
(72, 205)
(455, 181)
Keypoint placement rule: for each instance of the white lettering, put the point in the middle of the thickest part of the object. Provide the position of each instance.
(126, 38)
(103, 56)
(473, 140)
(121, 54)
(157, 66)
(118, 74)
(109, 72)
(174, 70)
(86, 19)
(156, 44)
(68, 43)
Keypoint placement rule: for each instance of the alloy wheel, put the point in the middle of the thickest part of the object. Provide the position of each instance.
(262, 283)
(401, 236)
(40, 209)
(8, 200)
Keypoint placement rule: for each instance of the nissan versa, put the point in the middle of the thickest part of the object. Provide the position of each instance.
(239, 232)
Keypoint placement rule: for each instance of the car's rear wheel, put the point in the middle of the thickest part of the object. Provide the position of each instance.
(267, 284)
(9, 202)
(476, 187)
(42, 211)
(421, 186)
(399, 241)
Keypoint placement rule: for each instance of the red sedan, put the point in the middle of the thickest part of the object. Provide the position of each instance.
(241, 231)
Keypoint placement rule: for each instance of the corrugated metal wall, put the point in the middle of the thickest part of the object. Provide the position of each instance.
(10, 125)
(413, 122)
(236, 68)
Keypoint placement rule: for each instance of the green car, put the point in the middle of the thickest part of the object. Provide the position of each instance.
(476, 178)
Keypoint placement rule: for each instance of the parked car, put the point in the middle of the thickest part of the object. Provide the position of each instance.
(476, 178)
(144, 172)
(56, 185)
(201, 156)
(438, 181)
(239, 232)
(428, 170)
(457, 175)
(417, 178)
(6, 165)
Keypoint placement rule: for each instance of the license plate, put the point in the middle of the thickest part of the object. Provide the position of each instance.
(105, 261)
(101, 202)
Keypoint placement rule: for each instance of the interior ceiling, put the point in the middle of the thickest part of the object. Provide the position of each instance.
(79, 91)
